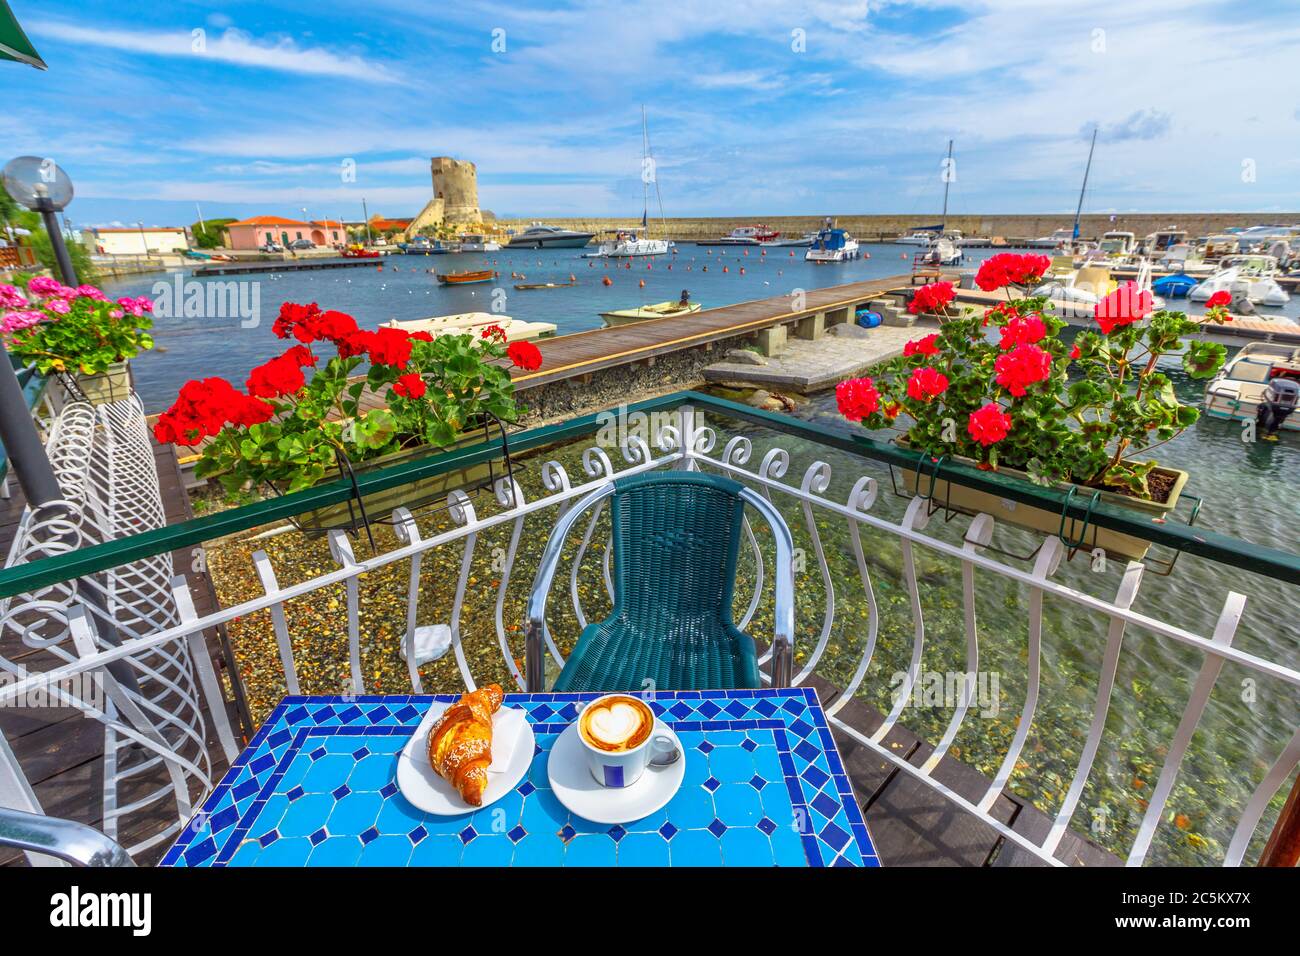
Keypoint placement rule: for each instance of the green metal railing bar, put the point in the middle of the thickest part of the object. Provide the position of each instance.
(1239, 555)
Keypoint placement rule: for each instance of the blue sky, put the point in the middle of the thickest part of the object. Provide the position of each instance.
(755, 106)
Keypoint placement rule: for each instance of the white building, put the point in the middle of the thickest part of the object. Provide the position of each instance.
(137, 241)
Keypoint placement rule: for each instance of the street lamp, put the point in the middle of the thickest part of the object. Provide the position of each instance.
(40, 185)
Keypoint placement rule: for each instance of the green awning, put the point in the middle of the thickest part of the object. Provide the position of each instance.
(14, 44)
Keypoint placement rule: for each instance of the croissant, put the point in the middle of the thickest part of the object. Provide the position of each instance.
(460, 743)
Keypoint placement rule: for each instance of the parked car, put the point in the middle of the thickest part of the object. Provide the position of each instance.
(270, 247)
(302, 244)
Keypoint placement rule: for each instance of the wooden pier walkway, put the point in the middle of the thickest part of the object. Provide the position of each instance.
(276, 265)
(581, 353)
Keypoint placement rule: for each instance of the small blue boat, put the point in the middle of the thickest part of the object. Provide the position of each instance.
(1174, 286)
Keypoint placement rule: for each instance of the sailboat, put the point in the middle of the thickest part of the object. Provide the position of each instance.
(1064, 240)
(636, 242)
(943, 249)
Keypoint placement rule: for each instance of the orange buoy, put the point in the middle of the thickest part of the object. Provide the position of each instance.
(725, 269)
(572, 277)
(792, 253)
(643, 283)
(704, 268)
(742, 270)
(379, 268)
(607, 281)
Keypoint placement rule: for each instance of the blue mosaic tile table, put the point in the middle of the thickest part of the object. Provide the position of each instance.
(316, 786)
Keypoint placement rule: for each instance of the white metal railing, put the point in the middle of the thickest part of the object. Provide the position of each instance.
(685, 443)
(155, 746)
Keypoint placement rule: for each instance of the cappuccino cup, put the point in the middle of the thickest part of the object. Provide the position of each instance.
(620, 740)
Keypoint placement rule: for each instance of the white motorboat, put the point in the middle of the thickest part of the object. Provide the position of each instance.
(743, 236)
(1251, 276)
(1077, 294)
(919, 237)
(541, 236)
(1260, 372)
(479, 244)
(1157, 243)
(832, 245)
(1059, 239)
(942, 252)
(516, 330)
(628, 244)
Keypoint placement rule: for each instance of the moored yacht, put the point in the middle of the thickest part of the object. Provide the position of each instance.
(1249, 276)
(832, 245)
(476, 243)
(629, 243)
(1260, 372)
(743, 236)
(541, 236)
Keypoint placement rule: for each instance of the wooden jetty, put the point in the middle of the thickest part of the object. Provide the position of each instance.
(285, 265)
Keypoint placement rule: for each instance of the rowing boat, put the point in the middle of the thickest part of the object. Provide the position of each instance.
(657, 311)
(466, 278)
(544, 285)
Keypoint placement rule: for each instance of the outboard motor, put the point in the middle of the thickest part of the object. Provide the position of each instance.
(1241, 304)
(1278, 401)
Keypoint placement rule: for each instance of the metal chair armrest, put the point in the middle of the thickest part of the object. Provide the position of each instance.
(535, 623)
(71, 842)
(783, 585)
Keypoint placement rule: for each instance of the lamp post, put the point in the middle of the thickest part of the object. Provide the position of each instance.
(40, 185)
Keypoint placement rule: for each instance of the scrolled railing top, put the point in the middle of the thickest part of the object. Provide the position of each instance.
(1241, 555)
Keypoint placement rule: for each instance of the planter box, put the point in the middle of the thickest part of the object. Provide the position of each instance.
(111, 385)
(380, 504)
(1116, 544)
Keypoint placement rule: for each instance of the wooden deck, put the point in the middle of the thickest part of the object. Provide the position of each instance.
(61, 752)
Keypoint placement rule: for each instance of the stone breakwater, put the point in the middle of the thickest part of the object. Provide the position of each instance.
(887, 226)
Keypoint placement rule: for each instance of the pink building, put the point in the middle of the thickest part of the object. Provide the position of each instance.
(258, 231)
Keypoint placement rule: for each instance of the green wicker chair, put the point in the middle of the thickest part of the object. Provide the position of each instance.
(675, 539)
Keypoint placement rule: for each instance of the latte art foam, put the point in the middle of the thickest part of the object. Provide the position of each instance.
(616, 723)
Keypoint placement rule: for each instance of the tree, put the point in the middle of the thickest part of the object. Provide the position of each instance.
(210, 233)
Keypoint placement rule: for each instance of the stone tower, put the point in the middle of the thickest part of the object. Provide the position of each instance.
(455, 182)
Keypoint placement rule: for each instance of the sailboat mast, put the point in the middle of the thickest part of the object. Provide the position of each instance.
(645, 182)
(1086, 169)
(947, 181)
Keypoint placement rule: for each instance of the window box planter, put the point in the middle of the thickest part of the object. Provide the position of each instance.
(379, 505)
(1047, 521)
(111, 385)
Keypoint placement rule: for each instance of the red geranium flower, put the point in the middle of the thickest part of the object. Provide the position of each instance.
(410, 385)
(1219, 299)
(1023, 366)
(495, 333)
(925, 346)
(857, 398)
(1124, 306)
(1009, 268)
(931, 298)
(280, 376)
(1075, 353)
(389, 346)
(1022, 330)
(926, 383)
(525, 355)
(988, 425)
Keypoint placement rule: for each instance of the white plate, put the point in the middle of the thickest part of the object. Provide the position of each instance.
(574, 786)
(427, 791)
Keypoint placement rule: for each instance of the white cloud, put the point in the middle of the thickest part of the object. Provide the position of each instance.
(231, 46)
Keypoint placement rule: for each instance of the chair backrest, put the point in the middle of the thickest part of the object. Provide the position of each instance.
(676, 536)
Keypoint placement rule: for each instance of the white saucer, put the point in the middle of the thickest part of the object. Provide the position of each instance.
(574, 786)
(427, 791)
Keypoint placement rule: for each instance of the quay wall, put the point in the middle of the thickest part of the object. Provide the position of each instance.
(888, 226)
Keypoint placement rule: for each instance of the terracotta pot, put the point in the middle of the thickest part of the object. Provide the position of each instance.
(1048, 521)
(111, 385)
(379, 505)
